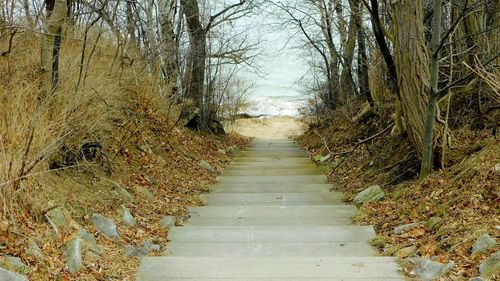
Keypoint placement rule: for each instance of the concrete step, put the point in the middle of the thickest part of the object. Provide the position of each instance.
(245, 199)
(274, 159)
(274, 268)
(272, 221)
(272, 234)
(279, 148)
(269, 249)
(282, 165)
(269, 188)
(333, 211)
(287, 179)
(272, 153)
(271, 172)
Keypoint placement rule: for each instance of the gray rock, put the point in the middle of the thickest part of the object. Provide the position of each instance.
(490, 266)
(6, 275)
(89, 244)
(434, 221)
(124, 193)
(429, 270)
(73, 254)
(317, 157)
(167, 222)
(34, 250)
(407, 227)
(14, 263)
(233, 150)
(483, 244)
(85, 235)
(144, 192)
(406, 251)
(371, 194)
(206, 166)
(127, 216)
(105, 226)
(59, 218)
(121, 191)
(325, 158)
(477, 279)
(149, 246)
(133, 251)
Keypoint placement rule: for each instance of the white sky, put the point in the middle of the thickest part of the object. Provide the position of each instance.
(280, 64)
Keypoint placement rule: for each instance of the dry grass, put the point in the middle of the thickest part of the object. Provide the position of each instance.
(117, 105)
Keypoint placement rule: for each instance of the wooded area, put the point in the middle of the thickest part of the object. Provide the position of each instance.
(95, 96)
(424, 59)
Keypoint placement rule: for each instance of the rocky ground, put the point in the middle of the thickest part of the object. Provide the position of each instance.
(87, 225)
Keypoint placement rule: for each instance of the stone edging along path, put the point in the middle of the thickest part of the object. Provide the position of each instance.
(270, 216)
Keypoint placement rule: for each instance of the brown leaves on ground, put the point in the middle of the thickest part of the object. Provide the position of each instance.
(166, 163)
(465, 196)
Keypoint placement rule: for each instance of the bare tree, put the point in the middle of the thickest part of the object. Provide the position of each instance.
(56, 14)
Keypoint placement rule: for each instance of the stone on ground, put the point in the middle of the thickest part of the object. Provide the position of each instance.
(127, 217)
(406, 227)
(371, 194)
(167, 222)
(7, 275)
(73, 254)
(105, 226)
(483, 244)
(429, 270)
(490, 266)
(206, 166)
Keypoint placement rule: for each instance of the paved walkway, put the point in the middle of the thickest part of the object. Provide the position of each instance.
(270, 217)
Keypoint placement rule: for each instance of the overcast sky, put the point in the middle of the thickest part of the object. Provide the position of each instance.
(281, 64)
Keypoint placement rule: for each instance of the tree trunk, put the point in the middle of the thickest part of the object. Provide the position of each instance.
(426, 167)
(195, 69)
(363, 69)
(332, 64)
(51, 44)
(29, 17)
(347, 86)
(131, 22)
(169, 47)
(411, 62)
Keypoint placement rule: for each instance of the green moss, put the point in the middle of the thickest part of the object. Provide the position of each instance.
(379, 242)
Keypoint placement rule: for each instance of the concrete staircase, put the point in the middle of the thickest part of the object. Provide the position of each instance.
(270, 217)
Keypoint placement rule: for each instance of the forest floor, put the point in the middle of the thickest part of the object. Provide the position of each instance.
(460, 200)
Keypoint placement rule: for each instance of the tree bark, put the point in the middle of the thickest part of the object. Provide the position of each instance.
(411, 62)
(169, 46)
(195, 69)
(426, 167)
(51, 44)
(347, 86)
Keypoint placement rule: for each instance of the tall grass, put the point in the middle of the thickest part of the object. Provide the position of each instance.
(35, 129)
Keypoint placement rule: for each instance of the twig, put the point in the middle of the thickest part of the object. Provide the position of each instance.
(358, 143)
(324, 141)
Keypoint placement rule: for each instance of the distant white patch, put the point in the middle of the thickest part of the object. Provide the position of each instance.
(275, 106)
